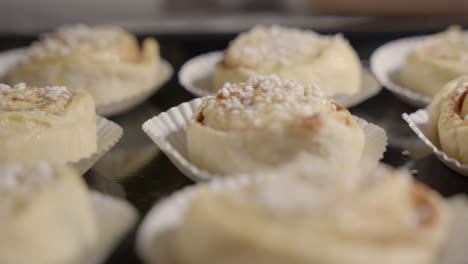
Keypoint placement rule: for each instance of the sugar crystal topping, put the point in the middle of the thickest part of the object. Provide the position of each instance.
(276, 43)
(261, 101)
(18, 183)
(49, 92)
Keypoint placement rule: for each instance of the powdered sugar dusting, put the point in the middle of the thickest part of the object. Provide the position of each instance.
(68, 39)
(451, 44)
(345, 197)
(48, 100)
(275, 43)
(18, 183)
(289, 196)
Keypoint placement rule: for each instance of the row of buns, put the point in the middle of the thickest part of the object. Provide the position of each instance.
(109, 63)
(280, 128)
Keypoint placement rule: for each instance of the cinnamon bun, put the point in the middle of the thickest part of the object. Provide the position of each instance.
(310, 213)
(302, 55)
(46, 123)
(46, 215)
(106, 61)
(448, 119)
(438, 60)
(267, 122)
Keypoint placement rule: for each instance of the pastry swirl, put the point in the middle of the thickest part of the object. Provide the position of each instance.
(106, 61)
(45, 215)
(53, 100)
(308, 212)
(268, 121)
(440, 59)
(300, 55)
(45, 123)
(448, 121)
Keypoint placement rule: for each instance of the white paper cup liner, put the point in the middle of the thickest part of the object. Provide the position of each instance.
(8, 60)
(385, 63)
(167, 130)
(153, 236)
(418, 122)
(108, 134)
(196, 77)
(114, 219)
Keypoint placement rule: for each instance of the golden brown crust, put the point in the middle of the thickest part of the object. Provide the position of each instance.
(428, 215)
(458, 100)
(314, 122)
(339, 107)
